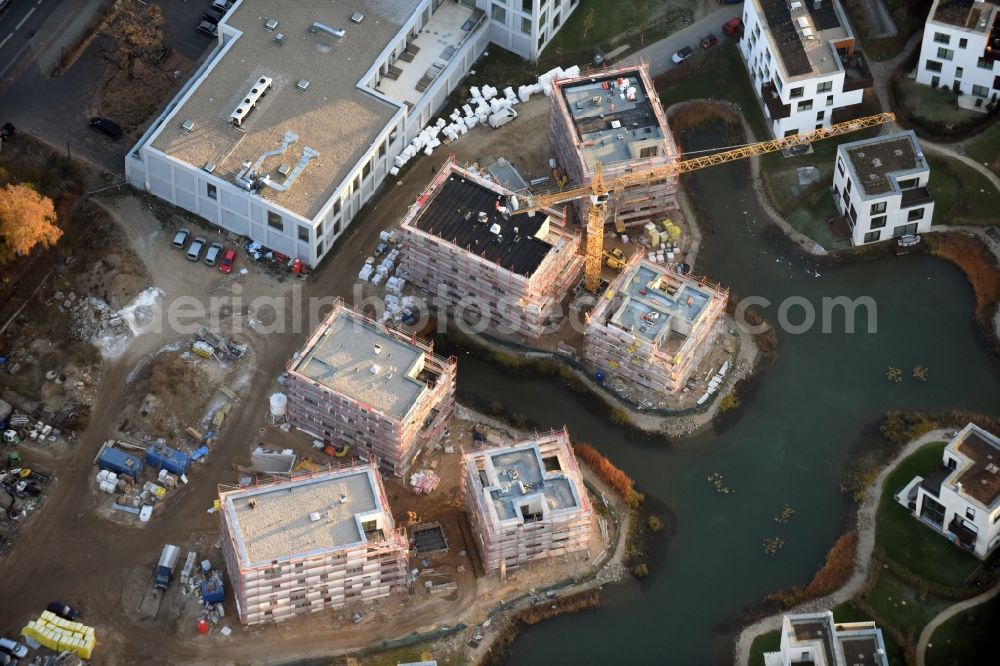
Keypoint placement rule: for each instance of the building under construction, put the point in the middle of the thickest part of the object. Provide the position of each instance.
(526, 501)
(310, 543)
(360, 384)
(653, 325)
(614, 118)
(461, 242)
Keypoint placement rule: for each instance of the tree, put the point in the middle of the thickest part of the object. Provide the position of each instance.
(27, 219)
(137, 33)
(588, 22)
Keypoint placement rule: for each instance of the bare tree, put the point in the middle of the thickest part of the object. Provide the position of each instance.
(588, 22)
(137, 33)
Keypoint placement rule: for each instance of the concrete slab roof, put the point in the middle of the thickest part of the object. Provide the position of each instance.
(332, 116)
(355, 359)
(309, 515)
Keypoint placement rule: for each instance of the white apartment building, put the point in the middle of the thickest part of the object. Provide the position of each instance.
(293, 121)
(880, 187)
(525, 26)
(802, 62)
(814, 638)
(961, 47)
(961, 498)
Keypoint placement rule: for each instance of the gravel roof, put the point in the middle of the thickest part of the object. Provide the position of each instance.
(873, 160)
(332, 116)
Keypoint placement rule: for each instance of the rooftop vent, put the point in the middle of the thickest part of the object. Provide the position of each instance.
(483, 217)
(284, 169)
(375, 369)
(209, 167)
(876, 163)
(378, 349)
(319, 27)
(495, 229)
(898, 152)
(187, 125)
(343, 498)
(302, 84)
(259, 89)
(279, 39)
(271, 24)
(992, 469)
(357, 17)
(314, 516)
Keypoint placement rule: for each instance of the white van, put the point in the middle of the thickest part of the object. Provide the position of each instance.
(502, 117)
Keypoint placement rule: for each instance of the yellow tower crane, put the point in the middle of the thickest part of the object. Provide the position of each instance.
(599, 191)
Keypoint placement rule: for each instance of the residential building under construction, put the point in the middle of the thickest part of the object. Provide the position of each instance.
(381, 392)
(653, 325)
(614, 119)
(526, 501)
(310, 543)
(461, 242)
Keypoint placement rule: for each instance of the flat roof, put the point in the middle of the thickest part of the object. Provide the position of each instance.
(355, 359)
(523, 464)
(809, 629)
(307, 515)
(965, 14)
(653, 296)
(873, 160)
(981, 478)
(614, 117)
(464, 212)
(801, 35)
(332, 116)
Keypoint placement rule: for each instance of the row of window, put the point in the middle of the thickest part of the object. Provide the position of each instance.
(946, 54)
(942, 38)
(902, 230)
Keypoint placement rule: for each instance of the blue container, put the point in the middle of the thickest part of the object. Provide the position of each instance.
(160, 456)
(120, 462)
(212, 591)
(600, 377)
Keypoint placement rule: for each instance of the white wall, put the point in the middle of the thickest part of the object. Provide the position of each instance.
(942, 45)
(544, 18)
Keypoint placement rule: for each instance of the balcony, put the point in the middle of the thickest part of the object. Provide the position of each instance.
(916, 196)
(965, 536)
(772, 100)
(857, 76)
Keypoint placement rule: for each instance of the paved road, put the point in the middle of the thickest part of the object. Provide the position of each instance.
(19, 22)
(925, 636)
(659, 53)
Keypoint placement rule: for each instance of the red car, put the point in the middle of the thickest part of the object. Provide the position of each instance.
(708, 41)
(733, 26)
(228, 259)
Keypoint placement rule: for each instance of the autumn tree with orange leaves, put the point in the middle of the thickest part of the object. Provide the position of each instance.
(27, 219)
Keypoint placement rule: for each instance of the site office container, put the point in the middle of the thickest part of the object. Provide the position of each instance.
(120, 462)
(160, 456)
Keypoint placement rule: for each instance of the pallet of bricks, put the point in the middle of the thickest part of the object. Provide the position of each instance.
(61, 635)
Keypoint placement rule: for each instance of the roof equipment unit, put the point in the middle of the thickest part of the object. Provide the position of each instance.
(259, 89)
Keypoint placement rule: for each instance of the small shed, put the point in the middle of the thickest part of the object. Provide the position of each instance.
(120, 462)
(160, 456)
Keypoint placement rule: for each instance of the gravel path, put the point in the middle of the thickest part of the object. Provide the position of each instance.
(866, 542)
(925, 636)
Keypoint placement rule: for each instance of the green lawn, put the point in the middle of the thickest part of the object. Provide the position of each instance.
(934, 109)
(908, 542)
(812, 218)
(907, 22)
(897, 603)
(985, 148)
(961, 194)
(769, 642)
(967, 638)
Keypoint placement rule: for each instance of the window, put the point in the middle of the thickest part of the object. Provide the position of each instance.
(942, 38)
(212, 191)
(996, 83)
(908, 183)
(983, 63)
(648, 151)
(959, 71)
(945, 54)
(872, 236)
(805, 106)
(336, 227)
(319, 229)
(541, 40)
(829, 100)
(980, 91)
(877, 222)
(853, 212)
(848, 185)
(915, 214)
(366, 170)
(526, 25)
(498, 13)
(381, 149)
(555, 22)
(357, 183)
(274, 220)
(840, 166)
(932, 66)
(970, 513)
(336, 207)
(820, 115)
(962, 43)
(878, 208)
(303, 234)
(797, 92)
(826, 86)
(905, 230)
(526, 5)
(791, 132)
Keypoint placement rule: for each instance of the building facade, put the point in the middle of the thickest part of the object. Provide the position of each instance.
(310, 543)
(526, 26)
(526, 501)
(961, 48)
(614, 119)
(460, 242)
(372, 388)
(880, 187)
(803, 63)
(814, 638)
(961, 498)
(653, 326)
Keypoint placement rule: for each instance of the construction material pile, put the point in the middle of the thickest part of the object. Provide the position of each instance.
(61, 635)
(424, 482)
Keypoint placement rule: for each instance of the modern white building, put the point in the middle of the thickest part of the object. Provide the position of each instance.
(803, 63)
(880, 187)
(814, 638)
(961, 498)
(293, 121)
(526, 26)
(961, 47)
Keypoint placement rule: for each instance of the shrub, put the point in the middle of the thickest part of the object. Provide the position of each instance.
(832, 576)
(977, 263)
(640, 570)
(619, 416)
(730, 402)
(903, 427)
(619, 481)
(654, 524)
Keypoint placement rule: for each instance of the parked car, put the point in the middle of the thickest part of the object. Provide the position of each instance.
(708, 41)
(212, 256)
(181, 239)
(6, 659)
(228, 259)
(107, 127)
(63, 610)
(13, 648)
(194, 252)
(213, 15)
(224, 5)
(682, 55)
(208, 28)
(733, 26)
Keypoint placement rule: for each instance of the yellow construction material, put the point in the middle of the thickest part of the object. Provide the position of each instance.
(62, 635)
